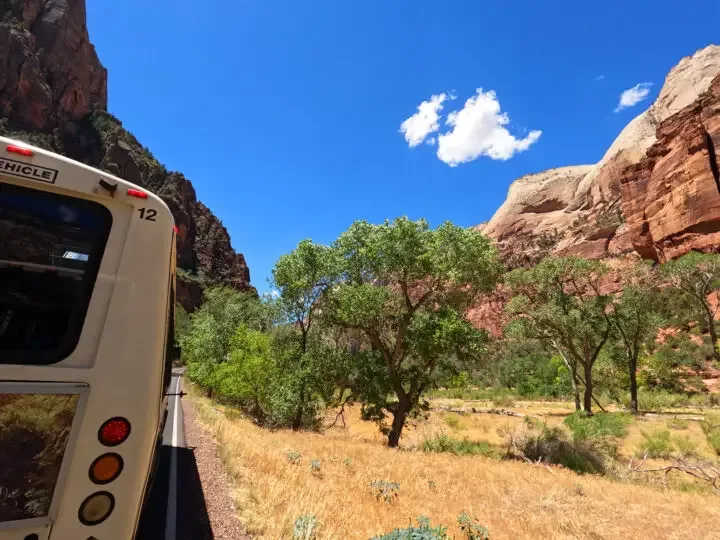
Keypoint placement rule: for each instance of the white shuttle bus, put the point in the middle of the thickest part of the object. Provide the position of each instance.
(87, 294)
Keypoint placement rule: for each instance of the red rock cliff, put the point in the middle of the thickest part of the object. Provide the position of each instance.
(53, 93)
(654, 193)
(671, 198)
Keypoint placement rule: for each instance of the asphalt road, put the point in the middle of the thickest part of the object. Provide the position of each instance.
(175, 508)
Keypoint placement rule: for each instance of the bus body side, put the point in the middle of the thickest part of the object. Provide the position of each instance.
(117, 367)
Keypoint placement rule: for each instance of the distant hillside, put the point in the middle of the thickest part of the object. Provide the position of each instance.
(53, 94)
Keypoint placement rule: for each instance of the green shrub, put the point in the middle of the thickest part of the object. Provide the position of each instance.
(600, 425)
(535, 374)
(423, 531)
(714, 441)
(655, 445)
(461, 380)
(460, 447)
(384, 490)
(677, 423)
(661, 400)
(472, 528)
(503, 401)
(684, 446)
(551, 445)
(711, 428)
(306, 528)
(294, 457)
(347, 462)
(315, 466)
(452, 420)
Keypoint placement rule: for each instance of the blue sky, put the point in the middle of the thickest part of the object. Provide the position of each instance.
(286, 115)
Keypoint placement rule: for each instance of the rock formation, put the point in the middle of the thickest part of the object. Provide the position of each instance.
(53, 94)
(655, 192)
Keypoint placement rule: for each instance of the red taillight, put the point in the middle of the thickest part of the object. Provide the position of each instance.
(19, 150)
(114, 431)
(137, 193)
(175, 229)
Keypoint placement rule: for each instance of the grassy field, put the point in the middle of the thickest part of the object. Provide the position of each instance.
(281, 475)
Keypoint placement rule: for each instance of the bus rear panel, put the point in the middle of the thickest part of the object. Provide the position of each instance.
(86, 266)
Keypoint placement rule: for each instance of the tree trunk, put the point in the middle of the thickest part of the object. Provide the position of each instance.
(573, 377)
(587, 398)
(576, 392)
(399, 417)
(633, 386)
(297, 421)
(713, 337)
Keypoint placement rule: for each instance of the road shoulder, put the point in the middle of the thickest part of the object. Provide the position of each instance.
(213, 477)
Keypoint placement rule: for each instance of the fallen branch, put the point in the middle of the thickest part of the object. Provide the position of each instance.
(502, 412)
(539, 463)
(708, 473)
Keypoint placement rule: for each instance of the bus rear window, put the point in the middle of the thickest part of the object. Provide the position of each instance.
(50, 251)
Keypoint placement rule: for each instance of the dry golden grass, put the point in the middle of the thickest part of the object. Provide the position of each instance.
(514, 500)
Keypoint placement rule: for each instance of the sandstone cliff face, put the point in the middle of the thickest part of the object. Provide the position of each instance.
(672, 196)
(652, 194)
(53, 94)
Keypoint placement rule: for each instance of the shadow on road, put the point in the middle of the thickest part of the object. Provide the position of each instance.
(193, 522)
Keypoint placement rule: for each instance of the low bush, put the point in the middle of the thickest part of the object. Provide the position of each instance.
(472, 528)
(661, 400)
(422, 531)
(598, 426)
(384, 490)
(677, 423)
(460, 447)
(684, 446)
(657, 444)
(711, 428)
(306, 528)
(453, 420)
(551, 446)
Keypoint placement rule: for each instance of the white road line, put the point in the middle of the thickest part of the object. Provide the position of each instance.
(175, 415)
(171, 518)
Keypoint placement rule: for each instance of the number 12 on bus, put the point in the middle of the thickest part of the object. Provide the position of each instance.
(87, 296)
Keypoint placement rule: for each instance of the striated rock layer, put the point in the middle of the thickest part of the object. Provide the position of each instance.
(53, 94)
(654, 193)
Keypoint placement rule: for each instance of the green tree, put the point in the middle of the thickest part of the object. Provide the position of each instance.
(559, 302)
(247, 376)
(695, 276)
(405, 288)
(302, 277)
(209, 341)
(636, 321)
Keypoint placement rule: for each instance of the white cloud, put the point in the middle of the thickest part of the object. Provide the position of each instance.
(424, 121)
(633, 96)
(431, 141)
(478, 129)
(600, 78)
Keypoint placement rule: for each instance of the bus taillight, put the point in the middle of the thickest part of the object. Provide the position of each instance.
(106, 468)
(96, 508)
(19, 150)
(114, 431)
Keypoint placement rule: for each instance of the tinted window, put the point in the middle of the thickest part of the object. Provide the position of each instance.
(50, 251)
(34, 430)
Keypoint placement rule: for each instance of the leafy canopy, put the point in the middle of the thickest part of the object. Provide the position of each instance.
(405, 288)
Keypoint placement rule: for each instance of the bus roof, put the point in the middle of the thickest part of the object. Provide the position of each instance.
(21, 160)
